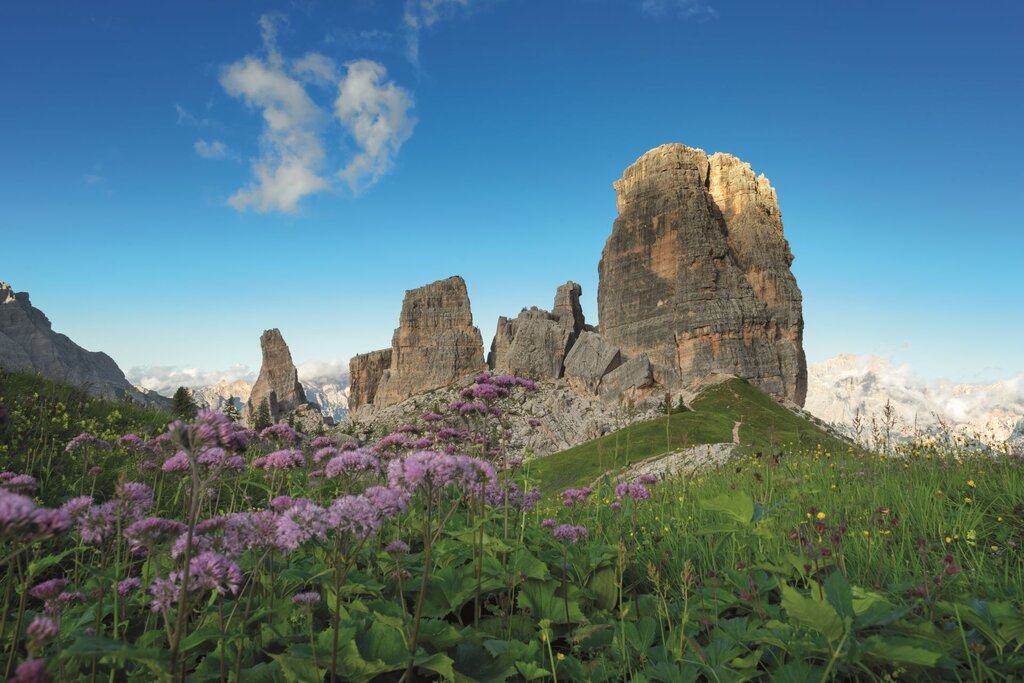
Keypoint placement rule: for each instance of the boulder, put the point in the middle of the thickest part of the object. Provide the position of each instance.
(695, 274)
(591, 358)
(627, 380)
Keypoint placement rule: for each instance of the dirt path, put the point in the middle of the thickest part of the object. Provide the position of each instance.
(736, 432)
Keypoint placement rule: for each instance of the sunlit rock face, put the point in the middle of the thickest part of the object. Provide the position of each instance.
(278, 381)
(696, 274)
(435, 345)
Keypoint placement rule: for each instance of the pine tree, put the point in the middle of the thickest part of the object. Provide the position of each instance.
(230, 411)
(185, 407)
(262, 419)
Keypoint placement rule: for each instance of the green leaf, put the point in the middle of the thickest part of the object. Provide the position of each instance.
(797, 672)
(605, 588)
(36, 567)
(839, 594)
(737, 505)
(902, 651)
(295, 669)
(438, 663)
(531, 671)
(540, 599)
(814, 614)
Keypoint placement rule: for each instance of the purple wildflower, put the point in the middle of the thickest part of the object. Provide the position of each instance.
(152, 531)
(281, 503)
(397, 548)
(616, 505)
(178, 462)
(42, 630)
(533, 422)
(212, 571)
(280, 460)
(322, 441)
(303, 521)
(629, 490)
(31, 671)
(135, 497)
(548, 524)
(388, 501)
(439, 469)
(133, 441)
(648, 479)
(430, 416)
(47, 589)
(281, 432)
(13, 481)
(325, 453)
(84, 440)
(356, 515)
(351, 462)
(308, 599)
(164, 593)
(128, 586)
(574, 497)
(569, 533)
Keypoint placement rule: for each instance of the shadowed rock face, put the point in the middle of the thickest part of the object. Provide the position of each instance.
(28, 343)
(435, 345)
(366, 371)
(695, 274)
(278, 381)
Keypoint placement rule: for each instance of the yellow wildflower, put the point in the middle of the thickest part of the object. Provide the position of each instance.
(970, 482)
(821, 515)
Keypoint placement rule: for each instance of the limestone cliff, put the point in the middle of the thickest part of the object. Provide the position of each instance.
(434, 345)
(695, 274)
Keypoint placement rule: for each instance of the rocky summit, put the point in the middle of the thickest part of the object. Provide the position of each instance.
(434, 345)
(278, 381)
(28, 343)
(696, 274)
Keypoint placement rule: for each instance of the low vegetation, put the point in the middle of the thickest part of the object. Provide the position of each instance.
(207, 552)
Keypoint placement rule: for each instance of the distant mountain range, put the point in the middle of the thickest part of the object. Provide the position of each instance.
(848, 385)
(326, 385)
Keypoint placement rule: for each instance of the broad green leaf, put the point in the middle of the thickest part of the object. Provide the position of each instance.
(737, 505)
(839, 594)
(814, 614)
(606, 591)
(531, 671)
(902, 651)
(539, 597)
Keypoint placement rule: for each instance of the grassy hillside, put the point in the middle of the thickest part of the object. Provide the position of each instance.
(43, 415)
(764, 426)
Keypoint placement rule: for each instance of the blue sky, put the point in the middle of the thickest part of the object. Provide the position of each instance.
(135, 135)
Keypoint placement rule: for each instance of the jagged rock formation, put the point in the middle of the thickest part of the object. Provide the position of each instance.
(695, 274)
(278, 381)
(434, 345)
(28, 343)
(536, 342)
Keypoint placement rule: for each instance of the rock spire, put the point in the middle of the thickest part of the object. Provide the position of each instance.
(278, 381)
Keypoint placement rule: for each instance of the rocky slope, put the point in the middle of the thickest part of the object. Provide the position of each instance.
(28, 342)
(695, 274)
(848, 385)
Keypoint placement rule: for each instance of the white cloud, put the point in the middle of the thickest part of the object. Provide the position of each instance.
(292, 158)
(684, 9)
(315, 68)
(165, 379)
(422, 14)
(215, 149)
(291, 152)
(322, 371)
(378, 116)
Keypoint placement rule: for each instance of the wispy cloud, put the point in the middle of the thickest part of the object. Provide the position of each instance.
(187, 118)
(683, 9)
(422, 14)
(377, 113)
(214, 149)
(292, 159)
(322, 371)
